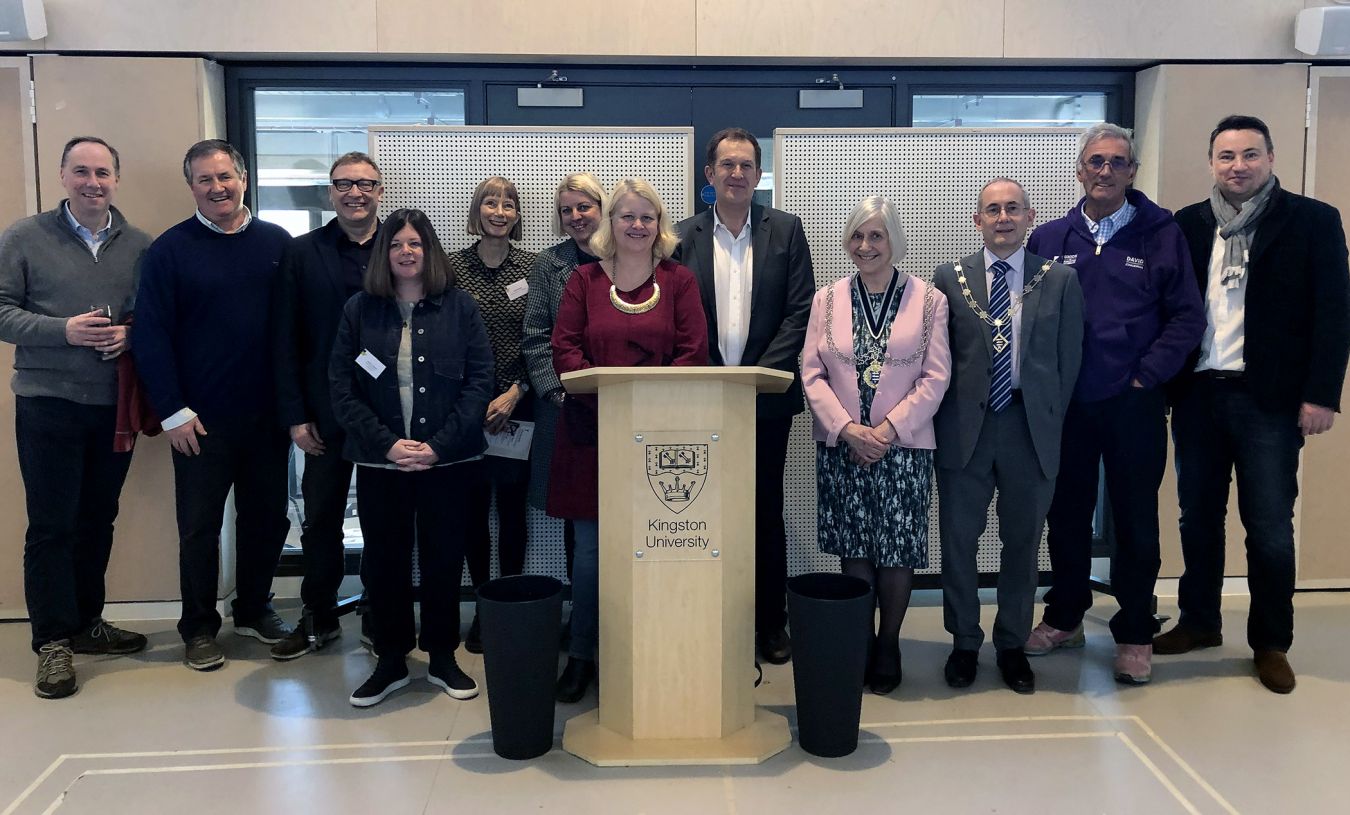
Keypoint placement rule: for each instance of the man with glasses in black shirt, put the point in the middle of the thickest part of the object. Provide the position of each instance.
(319, 272)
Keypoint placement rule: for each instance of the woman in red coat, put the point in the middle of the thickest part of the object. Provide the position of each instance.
(635, 307)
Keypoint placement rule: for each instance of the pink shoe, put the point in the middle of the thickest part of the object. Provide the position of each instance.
(1045, 639)
(1134, 664)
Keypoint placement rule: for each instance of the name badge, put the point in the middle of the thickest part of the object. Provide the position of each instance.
(518, 289)
(370, 364)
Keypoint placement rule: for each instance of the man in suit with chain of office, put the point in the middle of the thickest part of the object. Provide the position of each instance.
(1016, 331)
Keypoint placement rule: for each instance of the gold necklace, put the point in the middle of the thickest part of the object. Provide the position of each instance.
(997, 323)
(633, 308)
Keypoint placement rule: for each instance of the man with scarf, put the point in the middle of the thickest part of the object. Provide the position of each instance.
(1268, 373)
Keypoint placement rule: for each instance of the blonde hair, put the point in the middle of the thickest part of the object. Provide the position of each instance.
(602, 242)
(496, 185)
(584, 183)
(872, 207)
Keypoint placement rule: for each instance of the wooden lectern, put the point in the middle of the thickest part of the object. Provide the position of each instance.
(677, 569)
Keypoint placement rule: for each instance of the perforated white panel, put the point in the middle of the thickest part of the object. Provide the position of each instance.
(436, 169)
(934, 177)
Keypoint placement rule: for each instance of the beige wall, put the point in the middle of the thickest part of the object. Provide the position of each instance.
(1080, 30)
(1324, 514)
(151, 110)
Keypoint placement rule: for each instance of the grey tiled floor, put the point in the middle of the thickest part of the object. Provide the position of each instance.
(146, 735)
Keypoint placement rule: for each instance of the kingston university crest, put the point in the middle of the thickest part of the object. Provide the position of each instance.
(677, 473)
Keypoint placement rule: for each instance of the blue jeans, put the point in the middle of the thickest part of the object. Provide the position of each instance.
(585, 621)
(1218, 428)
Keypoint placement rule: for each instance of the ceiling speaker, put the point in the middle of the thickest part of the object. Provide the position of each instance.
(1323, 31)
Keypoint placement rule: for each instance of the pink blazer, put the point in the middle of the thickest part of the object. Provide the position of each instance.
(908, 395)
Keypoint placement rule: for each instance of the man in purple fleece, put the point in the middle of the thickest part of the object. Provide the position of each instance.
(1143, 316)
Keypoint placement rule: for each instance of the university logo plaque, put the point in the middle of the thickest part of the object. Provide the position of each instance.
(677, 473)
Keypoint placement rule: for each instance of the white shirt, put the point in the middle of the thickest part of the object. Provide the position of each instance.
(1015, 278)
(733, 281)
(1225, 317)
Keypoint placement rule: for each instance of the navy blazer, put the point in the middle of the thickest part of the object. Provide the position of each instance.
(452, 376)
(1296, 331)
(780, 297)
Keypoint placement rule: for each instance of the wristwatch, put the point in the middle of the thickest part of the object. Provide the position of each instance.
(523, 384)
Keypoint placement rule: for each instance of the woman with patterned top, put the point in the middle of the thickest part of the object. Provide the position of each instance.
(634, 307)
(577, 204)
(495, 273)
(874, 368)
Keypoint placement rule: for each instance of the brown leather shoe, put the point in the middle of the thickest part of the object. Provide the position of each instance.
(1181, 640)
(1272, 668)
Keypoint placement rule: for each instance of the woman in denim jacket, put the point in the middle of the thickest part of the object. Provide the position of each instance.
(411, 375)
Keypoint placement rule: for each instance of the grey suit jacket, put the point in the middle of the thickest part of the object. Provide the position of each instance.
(1050, 354)
(780, 296)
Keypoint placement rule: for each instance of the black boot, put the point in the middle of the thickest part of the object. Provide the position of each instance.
(575, 679)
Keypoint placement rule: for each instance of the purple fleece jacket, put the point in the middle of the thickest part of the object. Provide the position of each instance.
(1141, 306)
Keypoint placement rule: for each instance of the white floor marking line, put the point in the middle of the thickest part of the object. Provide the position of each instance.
(293, 748)
(1158, 774)
(991, 720)
(37, 782)
(1103, 734)
(1195, 776)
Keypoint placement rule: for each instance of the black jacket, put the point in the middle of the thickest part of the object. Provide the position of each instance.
(308, 306)
(1296, 338)
(780, 297)
(452, 377)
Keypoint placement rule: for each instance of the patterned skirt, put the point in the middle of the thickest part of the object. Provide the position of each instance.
(879, 513)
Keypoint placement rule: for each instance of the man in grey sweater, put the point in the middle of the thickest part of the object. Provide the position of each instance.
(67, 283)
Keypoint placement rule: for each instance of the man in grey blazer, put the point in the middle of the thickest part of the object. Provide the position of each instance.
(1016, 331)
(754, 275)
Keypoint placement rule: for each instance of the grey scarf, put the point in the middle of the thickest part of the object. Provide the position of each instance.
(1237, 226)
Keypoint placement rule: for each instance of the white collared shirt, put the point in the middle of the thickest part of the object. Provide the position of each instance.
(733, 282)
(248, 219)
(1015, 278)
(94, 240)
(1225, 317)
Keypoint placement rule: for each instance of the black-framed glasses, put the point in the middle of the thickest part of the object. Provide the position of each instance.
(1118, 163)
(362, 184)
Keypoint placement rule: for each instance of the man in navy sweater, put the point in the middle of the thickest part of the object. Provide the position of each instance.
(203, 353)
(1142, 316)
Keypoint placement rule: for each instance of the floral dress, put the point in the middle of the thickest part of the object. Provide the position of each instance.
(878, 513)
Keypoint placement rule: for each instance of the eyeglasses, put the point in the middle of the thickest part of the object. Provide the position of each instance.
(1118, 164)
(1013, 210)
(362, 184)
(629, 219)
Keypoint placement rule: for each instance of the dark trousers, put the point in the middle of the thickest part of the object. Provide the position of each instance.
(1004, 457)
(250, 456)
(1127, 436)
(399, 510)
(1217, 428)
(771, 443)
(513, 490)
(325, 486)
(72, 480)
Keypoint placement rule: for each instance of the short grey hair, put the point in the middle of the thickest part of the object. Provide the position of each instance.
(872, 207)
(1003, 179)
(1106, 130)
(210, 147)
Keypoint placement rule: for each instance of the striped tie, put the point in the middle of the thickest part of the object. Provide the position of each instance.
(1000, 386)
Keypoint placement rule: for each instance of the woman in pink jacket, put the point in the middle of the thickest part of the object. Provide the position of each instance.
(875, 367)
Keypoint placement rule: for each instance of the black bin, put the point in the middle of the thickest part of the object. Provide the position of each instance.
(831, 619)
(520, 616)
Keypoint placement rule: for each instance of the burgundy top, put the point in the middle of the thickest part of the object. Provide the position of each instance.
(590, 333)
